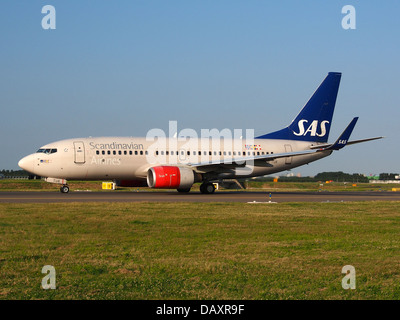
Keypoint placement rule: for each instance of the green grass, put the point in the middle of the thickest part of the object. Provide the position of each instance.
(200, 250)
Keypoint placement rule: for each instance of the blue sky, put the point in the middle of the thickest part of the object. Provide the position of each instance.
(120, 68)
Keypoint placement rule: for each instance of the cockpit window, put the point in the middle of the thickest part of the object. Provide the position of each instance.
(47, 151)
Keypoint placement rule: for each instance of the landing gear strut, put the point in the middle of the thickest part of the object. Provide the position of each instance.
(64, 189)
(207, 188)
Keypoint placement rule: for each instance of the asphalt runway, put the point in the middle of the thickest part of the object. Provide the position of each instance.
(234, 196)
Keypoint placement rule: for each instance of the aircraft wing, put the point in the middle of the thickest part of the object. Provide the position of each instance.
(241, 161)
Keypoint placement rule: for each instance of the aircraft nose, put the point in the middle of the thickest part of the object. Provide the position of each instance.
(26, 163)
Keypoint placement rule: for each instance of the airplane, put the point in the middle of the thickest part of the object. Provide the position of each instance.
(137, 162)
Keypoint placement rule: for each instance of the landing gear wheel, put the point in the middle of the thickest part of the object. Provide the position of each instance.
(184, 190)
(207, 188)
(64, 189)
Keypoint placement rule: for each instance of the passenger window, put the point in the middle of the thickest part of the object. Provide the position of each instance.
(114, 152)
(130, 152)
(97, 152)
(141, 153)
(103, 152)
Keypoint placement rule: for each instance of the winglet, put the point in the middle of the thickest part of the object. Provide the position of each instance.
(341, 142)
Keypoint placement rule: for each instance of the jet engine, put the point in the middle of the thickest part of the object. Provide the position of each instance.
(170, 177)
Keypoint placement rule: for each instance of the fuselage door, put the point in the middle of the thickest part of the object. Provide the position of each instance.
(288, 148)
(79, 148)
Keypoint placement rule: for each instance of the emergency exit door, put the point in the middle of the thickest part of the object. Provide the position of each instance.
(79, 152)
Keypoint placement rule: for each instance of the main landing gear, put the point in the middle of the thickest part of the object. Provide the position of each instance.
(207, 188)
(64, 189)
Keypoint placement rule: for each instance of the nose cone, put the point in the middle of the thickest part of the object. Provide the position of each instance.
(26, 163)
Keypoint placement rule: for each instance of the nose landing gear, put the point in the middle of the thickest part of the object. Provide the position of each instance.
(64, 186)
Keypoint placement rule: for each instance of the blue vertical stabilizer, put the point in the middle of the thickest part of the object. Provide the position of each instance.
(314, 121)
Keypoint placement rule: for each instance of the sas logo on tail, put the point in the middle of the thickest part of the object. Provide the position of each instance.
(312, 128)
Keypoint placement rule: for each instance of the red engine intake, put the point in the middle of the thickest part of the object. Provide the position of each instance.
(169, 177)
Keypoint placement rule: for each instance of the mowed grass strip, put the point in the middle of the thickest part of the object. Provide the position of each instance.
(200, 250)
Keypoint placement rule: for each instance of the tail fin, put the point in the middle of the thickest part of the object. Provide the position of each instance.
(313, 123)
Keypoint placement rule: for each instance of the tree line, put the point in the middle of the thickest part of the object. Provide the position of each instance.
(336, 176)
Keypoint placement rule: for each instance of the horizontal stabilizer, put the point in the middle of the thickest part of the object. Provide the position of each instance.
(363, 140)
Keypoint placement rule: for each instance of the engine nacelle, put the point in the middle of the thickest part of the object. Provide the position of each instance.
(169, 177)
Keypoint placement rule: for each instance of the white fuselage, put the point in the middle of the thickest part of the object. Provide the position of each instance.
(129, 158)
